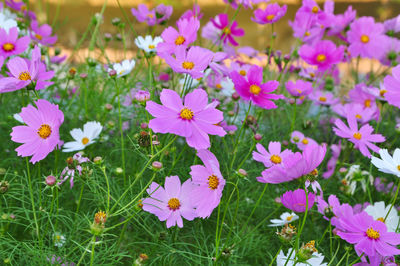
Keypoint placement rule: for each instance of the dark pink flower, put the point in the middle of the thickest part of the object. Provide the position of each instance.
(195, 12)
(299, 88)
(254, 89)
(392, 86)
(322, 54)
(271, 14)
(228, 30)
(10, 44)
(297, 200)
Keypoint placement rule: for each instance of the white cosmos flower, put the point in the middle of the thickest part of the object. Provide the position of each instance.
(59, 239)
(91, 130)
(388, 164)
(379, 211)
(147, 43)
(7, 23)
(123, 68)
(284, 219)
(315, 260)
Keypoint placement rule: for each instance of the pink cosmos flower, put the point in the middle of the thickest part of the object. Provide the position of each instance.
(74, 165)
(323, 98)
(273, 156)
(228, 30)
(143, 14)
(362, 138)
(326, 208)
(253, 89)
(297, 165)
(271, 14)
(172, 202)
(1, 61)
(195, 12)
(193, 62)
(42, 34)
(209, 184)
(40, 135)
(163, 13)
(297, 200)
(392, 86)
(365, 38)
(26, 72)
(300, 140)
(369, 236)
(299, 88)
(363, 115)
(10, 44)
(185, 35)
(322, 54)
(194, 120)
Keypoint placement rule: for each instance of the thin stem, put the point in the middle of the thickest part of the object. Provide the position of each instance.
(303, 223)
(80, 198)
(92, 256)
(121, 133)
(393, 201)
(276, 255)
(32, 198)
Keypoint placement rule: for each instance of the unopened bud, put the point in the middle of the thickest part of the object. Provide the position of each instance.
(156, 165)
(257, 137)
(98, 160)
(50, 180)
(242, 172)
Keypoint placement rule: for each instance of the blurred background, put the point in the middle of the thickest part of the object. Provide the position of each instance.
(71, 18)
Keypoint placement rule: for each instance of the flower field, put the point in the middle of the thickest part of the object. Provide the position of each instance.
(197, 150)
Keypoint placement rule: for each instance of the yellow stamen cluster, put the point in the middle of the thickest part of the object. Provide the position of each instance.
(24, 76)
(85, 140)
(322, 99)
(242, 72)
(270, 17)
(38, 36)
(186, 114)
(227, 31)
(152, 46)
(357, 135)
(100, 217)
(358, 116)
(8, 47)
(315, 9)
(321, 58)
(372, 234)
(304, 141)
(180, 40)
(44, 131)
(367, 103)
(188, 65)
(382, 92)
(213, 182)
(255, 89)
(275, 159)
(364, 38)
(381, 219)
(174, 204)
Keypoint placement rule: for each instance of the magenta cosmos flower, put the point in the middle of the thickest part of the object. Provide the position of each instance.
(331, 164)
(366, 38)
(143, 14)
(42, 34)
(322, 54)
(297, 200)
(194, 119)
(193, 62)
(369, 236)
(24, 72)
(253, 89)
(228, 30)
(185, 35)
(40, 134)
(209, 184)
(271, 14)
(10, 44)
(172, 202)
(362, 138)
(273, 156)
(392, 86)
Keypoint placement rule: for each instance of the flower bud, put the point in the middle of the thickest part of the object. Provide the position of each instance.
(242, 172)
(108, 106)
(119, 171)
(4, 186)
(144, 125)
(112, 73)
(116, 21)
(142, 96)
(98, 160)
(107, 37)
(156, 165)
(306, 251)
(51, 180)
(83, 75)
(257, 137)
(235, 96)
(72, 72)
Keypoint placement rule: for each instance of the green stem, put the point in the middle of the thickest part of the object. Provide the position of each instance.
(92, 256)
(303, 223)
(32, 198)
(80, 199)
(276, 255)
(393, 201)
(121, 133)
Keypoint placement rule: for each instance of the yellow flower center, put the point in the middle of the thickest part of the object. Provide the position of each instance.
(218, 86)
(289, 218)
(227, 31)
(381, 219)
(24, 76)
(367, 103)
(188, 65)
(180, 40)
(299, 91)
(358, 116)
(58, 238)
(38, 36)
(213, 182)
(314, 172)
(151, 46)
(307, 33)
(305, 141)
(321, 58)
(100, 217)
(270, 17)
(315, 9)
(150, 15)
(242, 72)
(85, 140)
(174, 204)
(371, 233)
(8, 47)
(44, 131)
(276, 159)
(322, 99)
(357, 135)
(398, 167)
(382, 92)
(254, 89)
(186, 114)
(364, 38)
